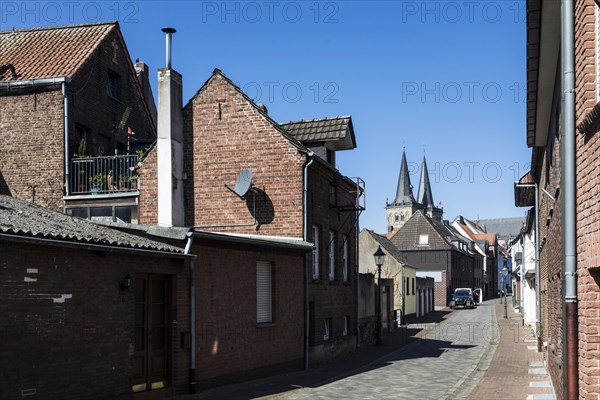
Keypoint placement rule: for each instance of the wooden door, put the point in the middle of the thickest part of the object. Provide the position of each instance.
(151, 342)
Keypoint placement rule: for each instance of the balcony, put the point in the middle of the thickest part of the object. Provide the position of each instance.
(103, 175)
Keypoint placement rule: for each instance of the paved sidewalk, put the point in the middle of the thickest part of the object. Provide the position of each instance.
(517, 370)
(275, 386)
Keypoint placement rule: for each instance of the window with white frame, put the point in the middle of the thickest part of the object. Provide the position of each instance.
(316, 254)
(345, 260)
(264, 292)
(424, 240)
(331, 256)
(327, 331)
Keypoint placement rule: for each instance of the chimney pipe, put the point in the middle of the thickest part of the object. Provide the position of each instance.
(169, 33)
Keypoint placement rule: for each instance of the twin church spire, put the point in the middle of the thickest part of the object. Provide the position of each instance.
(405, 204)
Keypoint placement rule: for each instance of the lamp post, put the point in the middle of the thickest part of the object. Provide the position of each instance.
(379, 256)
(504, 274)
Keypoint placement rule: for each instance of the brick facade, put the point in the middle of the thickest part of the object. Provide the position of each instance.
(588, 202)
(71, 329)
(230, 344)
(32, 122)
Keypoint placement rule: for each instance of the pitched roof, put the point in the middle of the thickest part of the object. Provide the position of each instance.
(503, 227)
(22, 219)
(262, 110)
(407, 237)
(404, 192)
(389, 247)
(424, 196)
(336, 130)
(50, 51)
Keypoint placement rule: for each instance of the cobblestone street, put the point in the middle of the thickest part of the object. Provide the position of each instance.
(470, 354)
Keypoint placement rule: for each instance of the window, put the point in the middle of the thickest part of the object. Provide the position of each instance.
(401, 217)
(413, 285)
(407, 285)
(315, 262)
(327, 326)
(423, 240)
(113, 86)
(396, 218)
(331, 255)
(264, 292)
(345, 260)
(346, 326)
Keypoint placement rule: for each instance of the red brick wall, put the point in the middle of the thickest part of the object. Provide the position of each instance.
(332, 299)
(588, 205)
(32, 125)
(80, 348)
(551, 277)
(31, 149)
(217, 149)
(230, 345)
(441, 291)
(148, 186)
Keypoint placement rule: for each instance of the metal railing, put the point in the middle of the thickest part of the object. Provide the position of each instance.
(101, 175)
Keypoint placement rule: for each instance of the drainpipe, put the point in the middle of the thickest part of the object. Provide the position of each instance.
(66, 128)
(570, 340)
(538, 289)
(357, 281)
(307, 273)
(192, 377)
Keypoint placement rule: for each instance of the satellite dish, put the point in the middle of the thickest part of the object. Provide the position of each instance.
(243, 183)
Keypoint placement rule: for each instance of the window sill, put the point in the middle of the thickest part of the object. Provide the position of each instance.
(266, 325)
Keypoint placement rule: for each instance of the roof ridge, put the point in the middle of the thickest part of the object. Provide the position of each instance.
(316, 119)
(49, 28)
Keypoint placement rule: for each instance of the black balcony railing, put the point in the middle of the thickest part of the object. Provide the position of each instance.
(101, 175)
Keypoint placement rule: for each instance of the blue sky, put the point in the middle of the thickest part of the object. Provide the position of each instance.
(444, 77)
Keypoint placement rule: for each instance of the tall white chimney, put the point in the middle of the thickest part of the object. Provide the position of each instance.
(170, 142)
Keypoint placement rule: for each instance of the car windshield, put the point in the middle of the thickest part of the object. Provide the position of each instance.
(461, 293)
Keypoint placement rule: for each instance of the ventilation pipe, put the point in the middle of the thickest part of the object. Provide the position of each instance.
(170, 142)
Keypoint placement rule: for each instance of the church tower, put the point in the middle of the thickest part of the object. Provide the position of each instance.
(404, 204)
(425, 197)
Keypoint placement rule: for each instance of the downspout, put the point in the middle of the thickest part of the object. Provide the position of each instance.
(570, 340)
(306, 262)
(357, 281)
(192, 371)
(66, 129)
(538, 301)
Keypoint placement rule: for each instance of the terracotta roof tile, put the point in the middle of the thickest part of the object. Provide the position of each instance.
(50, 52)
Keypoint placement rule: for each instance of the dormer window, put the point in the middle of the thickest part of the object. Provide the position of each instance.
(330, 154)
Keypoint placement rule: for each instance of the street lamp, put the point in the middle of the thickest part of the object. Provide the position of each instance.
(504, 274)
(379, 256)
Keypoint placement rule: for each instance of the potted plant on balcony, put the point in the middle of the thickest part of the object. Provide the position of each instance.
(133, 181)
(96, 182)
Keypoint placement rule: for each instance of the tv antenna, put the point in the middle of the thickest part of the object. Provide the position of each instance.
(243, 184)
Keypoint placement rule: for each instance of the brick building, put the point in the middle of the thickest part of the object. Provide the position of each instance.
(545, 130)
(71, 99)
(292, 189)
(80, 305)
(439, 251)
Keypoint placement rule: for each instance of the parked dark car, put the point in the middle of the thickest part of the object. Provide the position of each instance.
(462, 298)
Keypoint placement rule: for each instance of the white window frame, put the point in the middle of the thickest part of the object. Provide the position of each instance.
(424, 240)
(316, 253)
(345, 260)
(346, 324)
(331, 256)
(264, 292)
